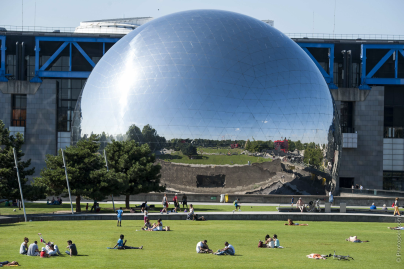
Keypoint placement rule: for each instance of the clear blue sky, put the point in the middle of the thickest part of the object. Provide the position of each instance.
(290, 16)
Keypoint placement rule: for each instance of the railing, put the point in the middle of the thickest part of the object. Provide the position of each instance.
(373, 192)
(95, 30)
(346, 36)
(291, 35)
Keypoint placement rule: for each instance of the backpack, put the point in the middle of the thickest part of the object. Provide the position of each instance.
(260, 244)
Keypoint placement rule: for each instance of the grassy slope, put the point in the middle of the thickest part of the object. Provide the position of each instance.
(36, 208)
(176, 249)
(178, 157)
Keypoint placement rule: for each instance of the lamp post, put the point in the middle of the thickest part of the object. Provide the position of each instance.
(106, 165)
(19, 183)
(67, 180)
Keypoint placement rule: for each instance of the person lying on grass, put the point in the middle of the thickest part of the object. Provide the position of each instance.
(355, 239)
(291, 223)
(121, 244)
(195, 217)
(395, 228)
(202, 247)
(228, 249)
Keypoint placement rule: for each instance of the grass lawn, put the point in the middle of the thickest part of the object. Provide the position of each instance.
(219, 150)
(39, 208)
(178, 157)
(176, 249)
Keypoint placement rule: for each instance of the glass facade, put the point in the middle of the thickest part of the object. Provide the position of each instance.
(68, 91)
(19, 107)
(393, 180)
(394, 112)
(206, 85)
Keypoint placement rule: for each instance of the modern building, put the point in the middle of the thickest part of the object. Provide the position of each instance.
(43, 72)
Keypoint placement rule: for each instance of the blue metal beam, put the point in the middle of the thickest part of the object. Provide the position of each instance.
(64, 74)
(367, 77)
(56, 54)
(329, 77)
(380, 63)
(3, 59)
(84, 54)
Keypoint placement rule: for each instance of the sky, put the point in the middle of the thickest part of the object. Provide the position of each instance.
(290, 16)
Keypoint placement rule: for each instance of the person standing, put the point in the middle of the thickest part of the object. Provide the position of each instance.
(292, 200)
(184, 201)
(300, 204)
(165, 204)
(396, 205)
(146, 215)
(176, 204)
(119, 214)
(331, 198)
(72, 248)
(24, 246)
(352, 188)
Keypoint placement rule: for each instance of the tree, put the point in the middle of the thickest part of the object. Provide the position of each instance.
(9, 187)
(135, 134)
(88, 176)
(313, 157)
(292, 145)
(188, 149)
(299, 145)
(137, 164)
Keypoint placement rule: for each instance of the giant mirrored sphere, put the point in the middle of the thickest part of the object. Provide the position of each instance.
(210, 87)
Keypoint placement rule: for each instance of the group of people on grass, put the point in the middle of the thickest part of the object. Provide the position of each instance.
(58, 201)
(269, 242)
(202, 247)
(50, 249)
(176, 203)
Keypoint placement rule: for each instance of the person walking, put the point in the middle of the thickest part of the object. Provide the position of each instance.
(165, 204)
(396, 205)
(119, 214)
(292, 200)
(184, 201)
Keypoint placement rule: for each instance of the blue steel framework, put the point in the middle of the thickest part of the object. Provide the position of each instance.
(3, 59)
(68, 41)
(329, 77)
(366, 78)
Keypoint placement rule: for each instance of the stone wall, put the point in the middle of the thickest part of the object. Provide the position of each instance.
(364, 163)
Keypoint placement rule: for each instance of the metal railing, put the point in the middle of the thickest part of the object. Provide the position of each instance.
(373, 192)
(346, 36)
(95, 30)
(291, 35)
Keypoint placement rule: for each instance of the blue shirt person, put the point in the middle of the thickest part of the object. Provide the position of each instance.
(119, 213)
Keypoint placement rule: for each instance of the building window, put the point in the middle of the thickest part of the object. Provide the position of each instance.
(19, 107)
(346, 182)
(347, 117)
(393, 180)
(68, 91)
(394, 112)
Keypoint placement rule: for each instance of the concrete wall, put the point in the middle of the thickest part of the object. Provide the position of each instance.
(40, 132)
(365, 163)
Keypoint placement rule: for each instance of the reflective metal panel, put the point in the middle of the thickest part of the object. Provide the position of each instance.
(221, 82)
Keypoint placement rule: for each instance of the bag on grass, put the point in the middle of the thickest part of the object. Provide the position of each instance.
(260, 244)
(167, 228)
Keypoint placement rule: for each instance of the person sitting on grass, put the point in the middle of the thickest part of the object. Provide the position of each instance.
(191, 212)
(202, 247)
(276, 241)
(53, 250)
(33, 249)
(291, 223)
(300, 204)
(147, 225)
(157, 226)
(264, 244)
(354, 239)
(228, 249)
(24, 246)
(373, 206)
(72, 248)
(121, 244)
(198, 218)
(43, 253)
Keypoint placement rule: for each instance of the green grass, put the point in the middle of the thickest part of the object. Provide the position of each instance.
(219, 150)
(39, 208)
(176, 249)
(178, 157)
